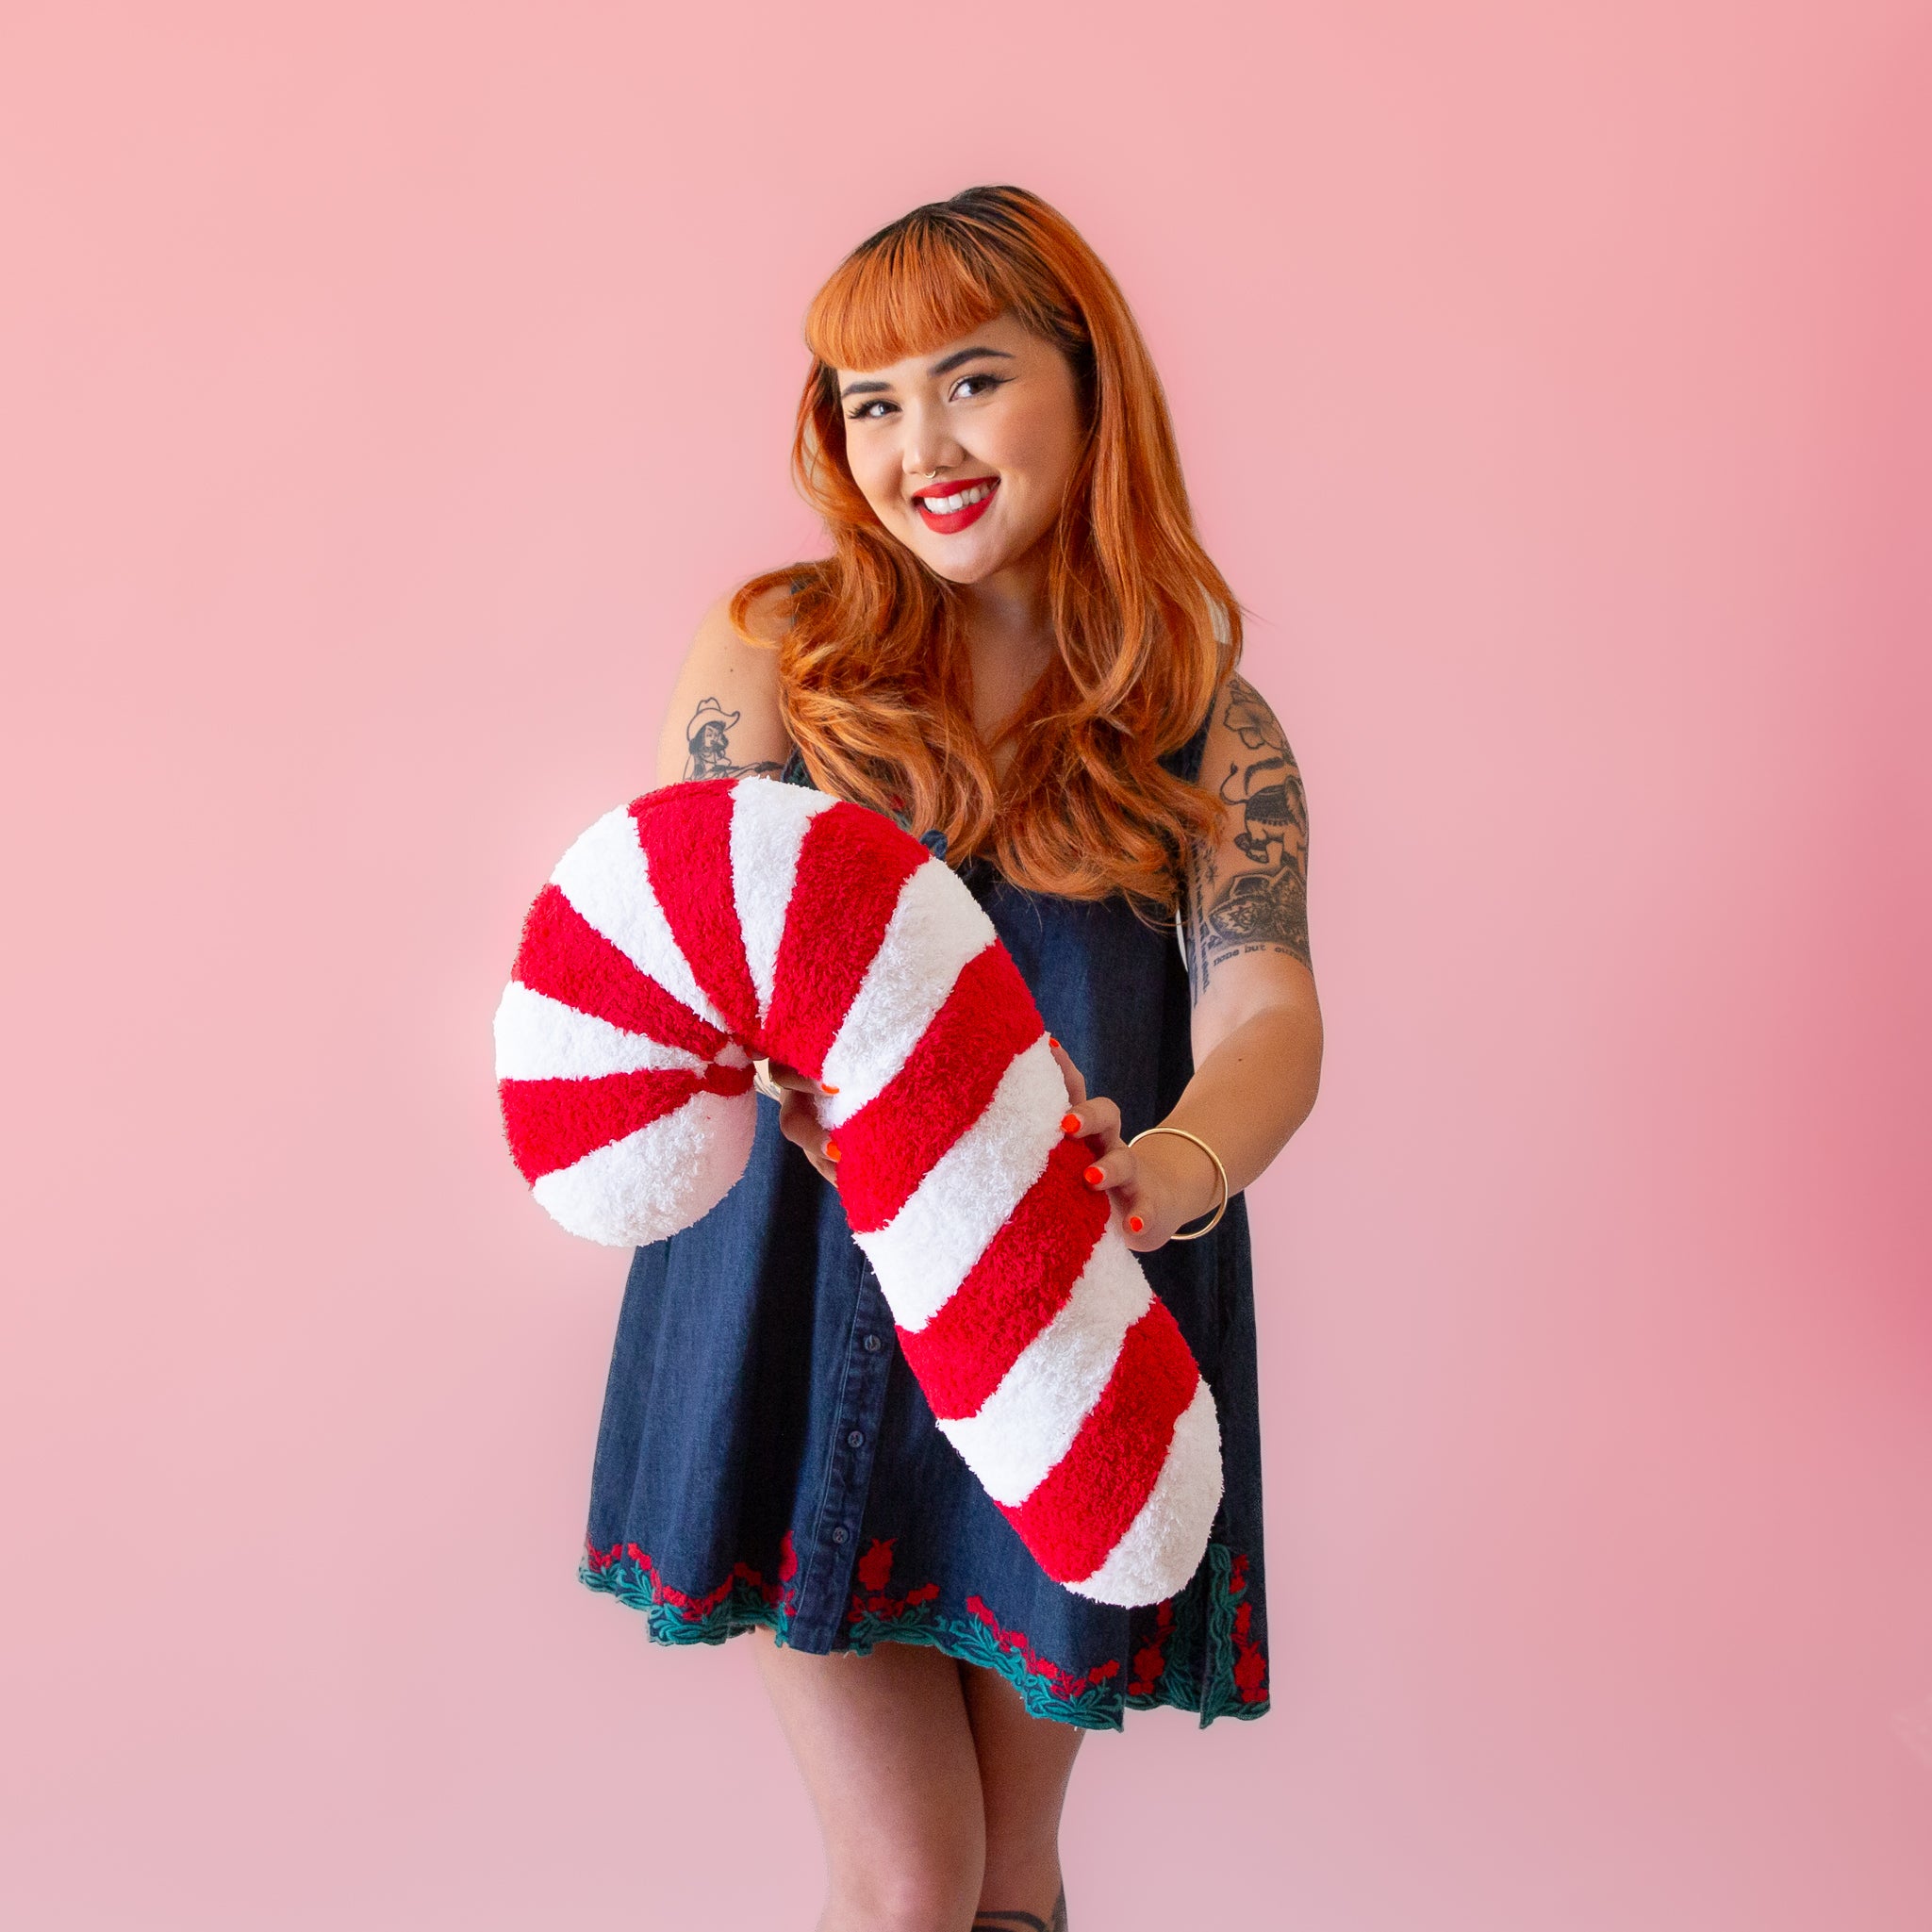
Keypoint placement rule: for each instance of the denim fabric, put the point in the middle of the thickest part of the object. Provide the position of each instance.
(765, 1457)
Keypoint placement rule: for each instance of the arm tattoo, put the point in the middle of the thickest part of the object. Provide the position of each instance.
(708, 740)
(1261, 905)
(984, 1921)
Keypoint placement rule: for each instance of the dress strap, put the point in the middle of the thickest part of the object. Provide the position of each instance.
(1184, 761)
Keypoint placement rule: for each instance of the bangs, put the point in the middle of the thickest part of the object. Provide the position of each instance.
(915, 287)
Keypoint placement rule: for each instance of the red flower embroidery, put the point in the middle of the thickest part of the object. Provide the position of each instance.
(875, 1566)
(1251, 1666)
(1151, 1660)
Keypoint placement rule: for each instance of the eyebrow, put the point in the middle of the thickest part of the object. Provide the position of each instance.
(939, 368)
(959, 355)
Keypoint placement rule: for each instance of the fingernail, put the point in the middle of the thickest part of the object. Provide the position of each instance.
(1070, 1123)
(1092, 1177)
(1135, 1223)
(1051, 1041)
(832, 1152)
(824, 1089)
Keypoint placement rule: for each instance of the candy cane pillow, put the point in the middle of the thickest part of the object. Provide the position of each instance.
(725, 918)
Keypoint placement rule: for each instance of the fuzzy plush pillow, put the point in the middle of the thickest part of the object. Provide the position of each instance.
(723, 919)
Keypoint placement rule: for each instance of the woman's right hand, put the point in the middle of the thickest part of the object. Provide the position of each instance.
(798, 1118)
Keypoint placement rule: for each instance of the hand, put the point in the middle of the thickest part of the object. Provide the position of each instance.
(797, 1117)
(1158, 1190)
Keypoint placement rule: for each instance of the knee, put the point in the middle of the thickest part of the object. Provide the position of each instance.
(930, 1883)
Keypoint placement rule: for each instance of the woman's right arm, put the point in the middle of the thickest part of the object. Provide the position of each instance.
(723, 716)
(723, 721)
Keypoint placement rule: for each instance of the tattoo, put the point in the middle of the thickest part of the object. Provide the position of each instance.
(708, 739)
(1260, 906)
(984, 1921)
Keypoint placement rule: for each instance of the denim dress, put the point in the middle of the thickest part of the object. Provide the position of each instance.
(766, 1459)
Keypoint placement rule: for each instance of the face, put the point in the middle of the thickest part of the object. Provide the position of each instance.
(996, 415)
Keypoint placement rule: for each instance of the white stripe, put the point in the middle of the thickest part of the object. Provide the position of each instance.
(659, 1180)
(1029, 1420)
(1164, 1544)
(926, 1250)
(935, 928)
(769, 820)
(606, 877)
(541, 1038)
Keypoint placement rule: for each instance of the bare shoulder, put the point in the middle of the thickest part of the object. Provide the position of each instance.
(723, 716)
(1249, 892)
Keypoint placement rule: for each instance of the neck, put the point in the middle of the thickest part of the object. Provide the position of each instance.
(1009, 638)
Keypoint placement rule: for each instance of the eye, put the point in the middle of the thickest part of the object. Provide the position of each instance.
(984, 384)
(864, 412)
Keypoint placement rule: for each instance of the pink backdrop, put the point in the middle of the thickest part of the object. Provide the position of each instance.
(384, 390)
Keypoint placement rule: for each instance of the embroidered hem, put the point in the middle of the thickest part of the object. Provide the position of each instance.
(1207, 1624)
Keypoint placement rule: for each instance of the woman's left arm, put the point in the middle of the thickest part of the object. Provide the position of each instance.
(1257, 1030)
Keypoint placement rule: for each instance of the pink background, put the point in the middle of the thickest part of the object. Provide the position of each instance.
(384, 390)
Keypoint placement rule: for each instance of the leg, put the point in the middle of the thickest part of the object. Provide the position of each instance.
(1025, 1763)
(888, 1755)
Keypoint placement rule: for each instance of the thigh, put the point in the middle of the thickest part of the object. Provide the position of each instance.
(1025, 1765)
(888, 1756)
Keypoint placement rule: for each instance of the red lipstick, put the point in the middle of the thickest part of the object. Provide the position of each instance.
(955, 521)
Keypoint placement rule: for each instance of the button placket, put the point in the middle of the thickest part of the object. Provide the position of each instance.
(832, 1550)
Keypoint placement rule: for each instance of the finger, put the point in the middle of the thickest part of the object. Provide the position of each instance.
(799, 1125)
(1116, 1169)
(798, 1120)
(1097, 1122)
(784, 1076)
(1076, 1080)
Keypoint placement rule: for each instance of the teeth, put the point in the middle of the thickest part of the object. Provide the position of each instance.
(946, 505)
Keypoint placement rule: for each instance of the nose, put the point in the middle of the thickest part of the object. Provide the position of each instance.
(929, 449)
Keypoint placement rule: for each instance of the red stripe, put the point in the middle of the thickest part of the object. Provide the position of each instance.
(889, 1145)
(851, 863)
(1083, 1508)
(1014, 1289)
(568, 958)
(554, 1123)
(685, 832)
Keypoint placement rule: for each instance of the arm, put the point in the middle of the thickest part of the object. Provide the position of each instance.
(1257, 1023)
(724, 720)
(723, 715)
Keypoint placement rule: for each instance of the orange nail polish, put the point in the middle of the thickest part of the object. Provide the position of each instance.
(824, 1089)
(1092, 1177)
(832, 1152)
(1135, 1223)
(1070, 1123)
(1051, 1041)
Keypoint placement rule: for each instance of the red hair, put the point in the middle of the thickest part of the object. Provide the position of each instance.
(872, 669)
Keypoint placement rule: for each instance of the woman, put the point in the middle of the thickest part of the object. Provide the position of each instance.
(1018, 649)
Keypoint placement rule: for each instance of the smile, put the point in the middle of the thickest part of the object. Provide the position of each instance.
(962, 504)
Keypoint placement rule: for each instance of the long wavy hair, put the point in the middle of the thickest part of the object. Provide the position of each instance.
(873, 672)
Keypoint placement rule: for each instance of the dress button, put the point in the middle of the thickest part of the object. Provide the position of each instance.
(856, 1440)
(838, 1534)
(872, 1345)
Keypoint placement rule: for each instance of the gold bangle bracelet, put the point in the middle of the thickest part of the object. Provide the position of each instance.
(1222, 1207)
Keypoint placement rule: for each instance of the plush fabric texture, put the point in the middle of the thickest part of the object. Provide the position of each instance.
(724, 919)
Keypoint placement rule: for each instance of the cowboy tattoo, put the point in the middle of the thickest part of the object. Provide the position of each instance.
(1262, 904)
(707, 741)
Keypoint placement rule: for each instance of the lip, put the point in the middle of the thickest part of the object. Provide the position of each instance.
(958, 519)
